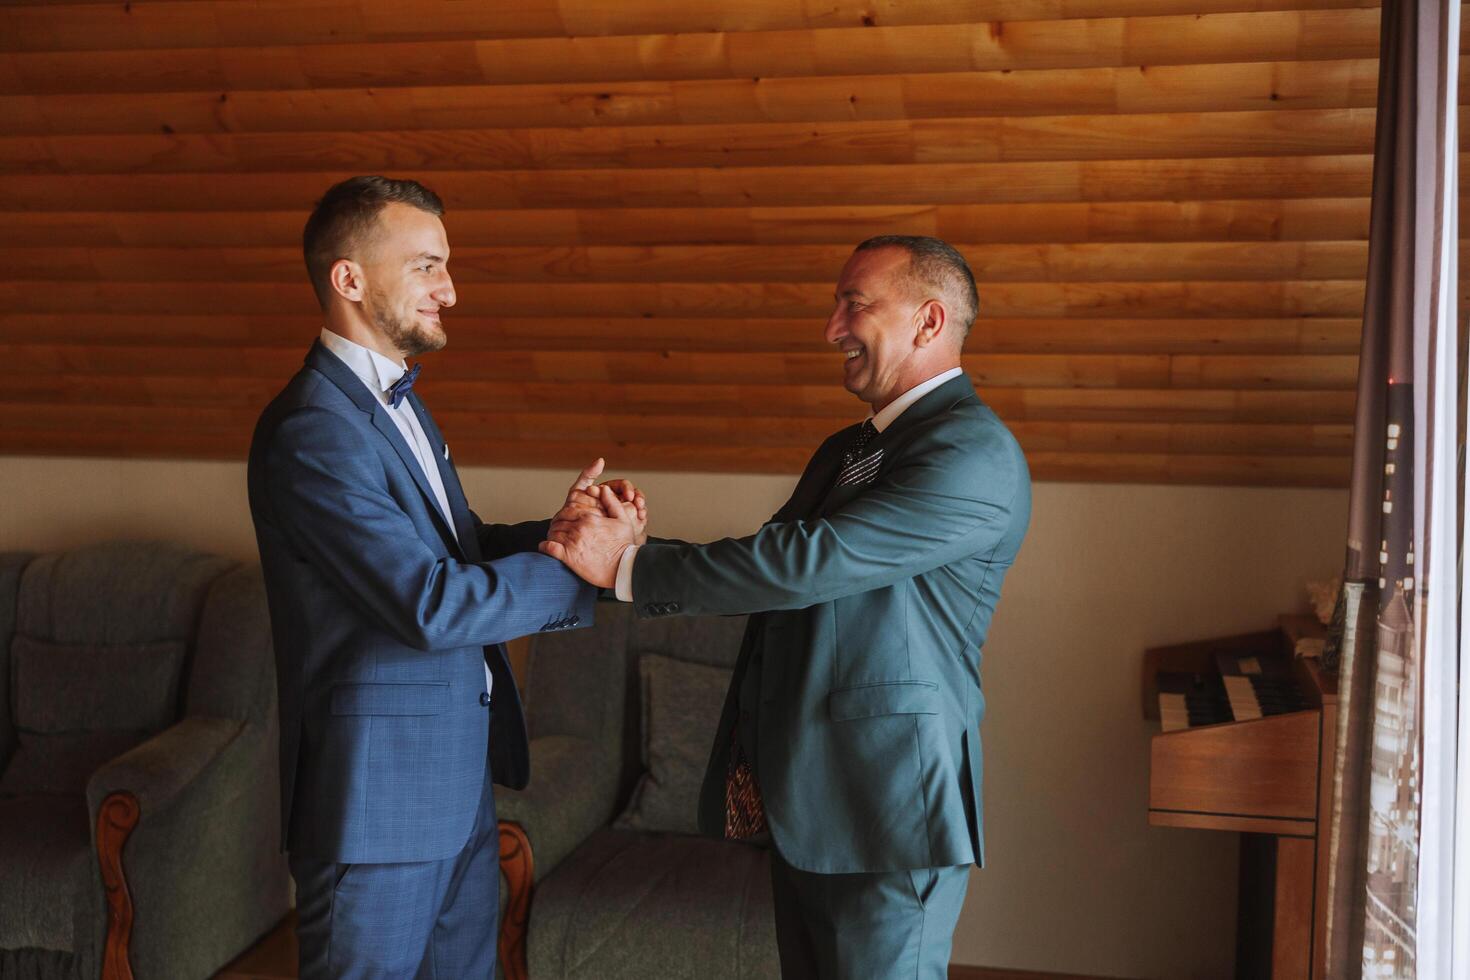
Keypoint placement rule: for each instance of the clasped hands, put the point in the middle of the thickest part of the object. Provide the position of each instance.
(595, 525)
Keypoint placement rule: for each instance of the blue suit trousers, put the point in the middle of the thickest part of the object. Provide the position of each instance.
(431, 920)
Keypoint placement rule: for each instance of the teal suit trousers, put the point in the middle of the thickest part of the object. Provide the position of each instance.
(887, 924)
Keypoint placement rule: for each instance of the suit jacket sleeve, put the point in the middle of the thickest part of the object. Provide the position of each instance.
(326, 484)
(951, 495)
(501, 540)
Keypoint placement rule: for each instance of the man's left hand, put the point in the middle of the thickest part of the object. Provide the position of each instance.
(585, 496)
(591, 540)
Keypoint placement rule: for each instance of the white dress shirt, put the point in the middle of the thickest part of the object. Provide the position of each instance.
(379, 373)
(882, 420)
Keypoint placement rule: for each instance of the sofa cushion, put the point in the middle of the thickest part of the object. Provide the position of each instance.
(116, 593)
(78, 705)
(93, 687)
(681, 705)
(62, 763)
(628, 906)
(46, 870)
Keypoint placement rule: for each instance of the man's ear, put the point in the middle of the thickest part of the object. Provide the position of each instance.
(347, 280)
(931, 320)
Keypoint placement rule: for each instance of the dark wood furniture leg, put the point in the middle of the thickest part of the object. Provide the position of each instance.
(518, 866)
(1296, 866)
(116, 819)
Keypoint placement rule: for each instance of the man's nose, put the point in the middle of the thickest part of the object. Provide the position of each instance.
(444, 295)
(835, 329)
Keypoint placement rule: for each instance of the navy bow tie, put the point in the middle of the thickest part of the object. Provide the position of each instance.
(399, 389)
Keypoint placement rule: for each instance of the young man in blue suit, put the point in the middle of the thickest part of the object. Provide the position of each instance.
(851, 729)
(390, 601)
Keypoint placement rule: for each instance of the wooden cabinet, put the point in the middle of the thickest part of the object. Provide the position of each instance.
(1267, 778)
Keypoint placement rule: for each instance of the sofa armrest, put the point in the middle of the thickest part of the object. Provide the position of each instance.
(163, 768)
(207, 827)
(572, 792)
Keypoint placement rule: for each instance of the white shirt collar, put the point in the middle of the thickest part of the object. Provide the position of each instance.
(375, 370)
(896, 407)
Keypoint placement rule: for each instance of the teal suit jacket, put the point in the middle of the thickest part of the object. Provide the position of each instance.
(857, 689)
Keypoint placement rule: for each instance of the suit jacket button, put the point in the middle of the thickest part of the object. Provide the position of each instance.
(673, 607)
(484, 699)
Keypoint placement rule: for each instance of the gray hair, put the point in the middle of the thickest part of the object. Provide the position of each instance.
(936, 265)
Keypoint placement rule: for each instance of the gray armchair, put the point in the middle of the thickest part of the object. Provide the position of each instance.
(138, 788)
(583, 897)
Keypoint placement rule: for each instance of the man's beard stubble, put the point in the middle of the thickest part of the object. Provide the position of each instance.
(410, 336)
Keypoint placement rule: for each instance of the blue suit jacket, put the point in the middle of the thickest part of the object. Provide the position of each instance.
(383, 625)
(857, 691)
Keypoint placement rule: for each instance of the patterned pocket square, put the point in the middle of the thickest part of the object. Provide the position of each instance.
(862, 470)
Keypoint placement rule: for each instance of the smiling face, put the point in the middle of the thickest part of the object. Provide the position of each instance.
(400, 280)
(885, 328)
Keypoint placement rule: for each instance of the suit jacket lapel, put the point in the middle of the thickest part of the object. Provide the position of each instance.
(817, 479)
(931, 404)
(459, 507)
(324, 361)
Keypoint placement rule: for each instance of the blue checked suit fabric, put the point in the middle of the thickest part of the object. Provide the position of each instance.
(384, 621)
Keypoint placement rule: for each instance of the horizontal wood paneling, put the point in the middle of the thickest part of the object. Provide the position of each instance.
(1301, 335)
(1165, 203)
(1297, 372)
(1293, 35)
(232, 443)
(756, 430)
(1104, 300)
(1271, 178)
(993, 140)
(84, 25)
(1305, 220)
(823, 400)
(1114, 262)
(1067, 91)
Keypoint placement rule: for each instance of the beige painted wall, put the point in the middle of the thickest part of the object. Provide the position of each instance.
(1077, 880)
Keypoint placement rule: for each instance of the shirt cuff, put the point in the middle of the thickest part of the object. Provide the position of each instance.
(624, 584)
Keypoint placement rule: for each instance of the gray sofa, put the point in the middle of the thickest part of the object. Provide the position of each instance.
(594, 883)
(138, 788)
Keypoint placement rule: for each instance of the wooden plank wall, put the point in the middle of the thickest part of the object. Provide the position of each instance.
(1165, 203)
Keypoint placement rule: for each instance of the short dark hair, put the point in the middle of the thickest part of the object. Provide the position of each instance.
(937, 265)
(346, 213)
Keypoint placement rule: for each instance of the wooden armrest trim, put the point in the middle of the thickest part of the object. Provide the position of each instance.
(116, 819)
(518, 866)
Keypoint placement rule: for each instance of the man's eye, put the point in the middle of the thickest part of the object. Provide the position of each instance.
(428, 268)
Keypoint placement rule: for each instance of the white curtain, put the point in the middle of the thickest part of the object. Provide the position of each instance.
(1443, 944)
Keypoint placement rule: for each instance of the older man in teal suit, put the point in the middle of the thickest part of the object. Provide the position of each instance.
(850, 731)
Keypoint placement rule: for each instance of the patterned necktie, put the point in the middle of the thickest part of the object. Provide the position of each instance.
(855, 466)
(399, 389)
(745, 811)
